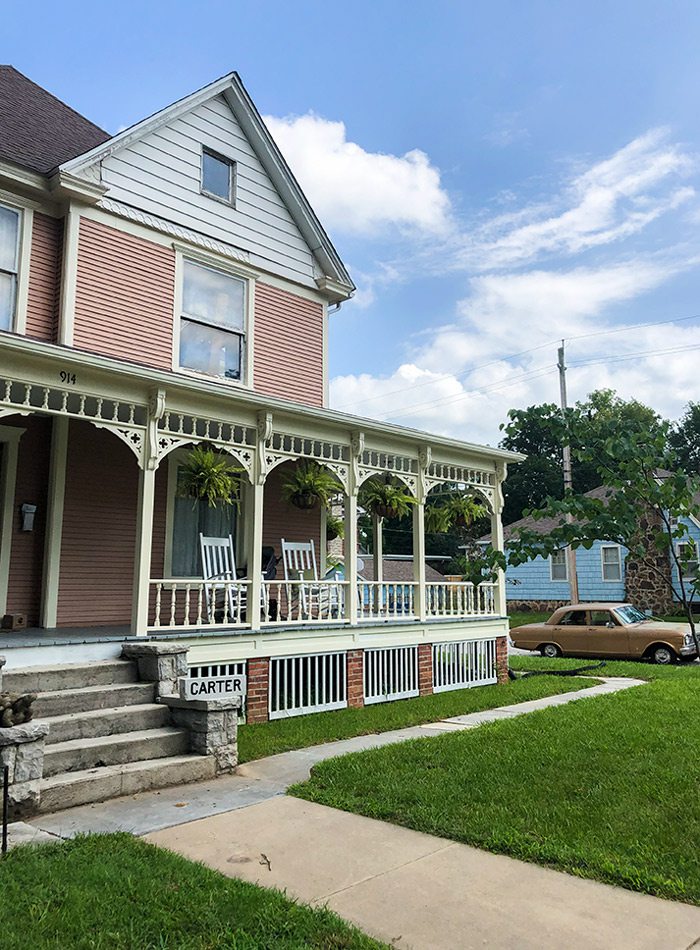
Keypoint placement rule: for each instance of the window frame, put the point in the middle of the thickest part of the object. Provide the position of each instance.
(232, 176)
(610, 547)
(229, 268)
(559, 580)
(685, 543)
(25, 213)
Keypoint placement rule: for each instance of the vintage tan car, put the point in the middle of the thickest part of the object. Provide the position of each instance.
(606, 630)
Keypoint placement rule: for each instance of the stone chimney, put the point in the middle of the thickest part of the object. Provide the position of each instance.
(646, 588)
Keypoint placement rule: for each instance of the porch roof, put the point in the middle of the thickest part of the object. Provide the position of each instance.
(37, 361)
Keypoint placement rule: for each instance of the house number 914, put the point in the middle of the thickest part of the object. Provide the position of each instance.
(67, 377)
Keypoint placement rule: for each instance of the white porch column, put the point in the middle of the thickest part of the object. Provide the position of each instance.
(54, 521)
(497, 538)
(350, 551)
(378, 545)
(255, 511)
(419, 558)
(9, 436)
(142, 560)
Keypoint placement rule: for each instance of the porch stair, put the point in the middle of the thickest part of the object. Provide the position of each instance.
(107, 736)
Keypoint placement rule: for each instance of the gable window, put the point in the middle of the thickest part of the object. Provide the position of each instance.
(212, 321)
(557, 566)
(217, 175)
(9, 265)
(611, 562)
(688, 553)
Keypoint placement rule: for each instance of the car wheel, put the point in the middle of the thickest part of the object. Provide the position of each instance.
(663, 655)
(550, 650)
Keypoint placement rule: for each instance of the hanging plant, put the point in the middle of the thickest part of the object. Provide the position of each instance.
(309, 484)
(209, 476)
(389, 499)
(335, 527)
(460, 511)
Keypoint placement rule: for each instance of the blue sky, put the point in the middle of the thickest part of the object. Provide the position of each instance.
(496, 175)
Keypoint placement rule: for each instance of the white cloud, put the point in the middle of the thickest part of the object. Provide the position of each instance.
(359, 192)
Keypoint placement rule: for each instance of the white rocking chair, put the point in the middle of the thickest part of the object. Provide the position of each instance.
(219, 573)
(308, 599)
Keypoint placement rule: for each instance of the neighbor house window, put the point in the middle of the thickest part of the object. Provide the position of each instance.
(611, 561)
(212, 322)
(557, 566)
(9, 264)
(217, 175)
(688, 553)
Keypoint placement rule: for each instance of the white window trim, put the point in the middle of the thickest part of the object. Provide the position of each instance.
(174, 460)
(610, 547)
(559, 580)
(24, 249)
(687, 541)
(232, 177)
(226, 266)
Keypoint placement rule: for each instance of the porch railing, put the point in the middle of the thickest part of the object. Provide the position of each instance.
(304, 601)
(387, 600)
(191, 603)
(460, 599)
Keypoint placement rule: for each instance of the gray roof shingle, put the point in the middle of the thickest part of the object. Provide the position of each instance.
(37, 130)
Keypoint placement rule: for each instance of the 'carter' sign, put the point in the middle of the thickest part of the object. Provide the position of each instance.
(212, 687)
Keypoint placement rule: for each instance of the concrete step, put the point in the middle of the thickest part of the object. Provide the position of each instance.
(78, 754)
(61, 702)
(106, 722)
(40, 679)
(67, 789)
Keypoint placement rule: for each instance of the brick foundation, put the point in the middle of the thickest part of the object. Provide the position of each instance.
(258, 687)
(356, 680)
(502, 659)
(425, 668)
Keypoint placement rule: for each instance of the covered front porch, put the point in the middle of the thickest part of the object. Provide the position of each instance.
(95, 537)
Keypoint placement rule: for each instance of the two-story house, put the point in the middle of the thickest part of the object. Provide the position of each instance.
(170, 286)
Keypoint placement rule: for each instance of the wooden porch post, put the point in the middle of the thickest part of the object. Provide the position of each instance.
(54, 521)
(142, 560)
(351, 555)
(256, 496)
(497, 537)
(419, 557)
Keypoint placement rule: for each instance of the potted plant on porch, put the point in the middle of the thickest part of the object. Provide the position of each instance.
(460, 511)
(309, 484)
(209, 476)
(387, 499)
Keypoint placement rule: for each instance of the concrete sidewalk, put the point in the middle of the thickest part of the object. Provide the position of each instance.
(414, 890)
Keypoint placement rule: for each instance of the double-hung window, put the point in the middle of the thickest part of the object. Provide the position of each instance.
(557, 566)
(688, 554)
(9, 265)
(212, 321)
(611, 562)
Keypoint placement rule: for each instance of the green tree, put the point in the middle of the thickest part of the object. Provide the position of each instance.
(685, 439)
(640, 469)
(534, 432)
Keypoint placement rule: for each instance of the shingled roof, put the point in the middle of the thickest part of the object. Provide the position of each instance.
(37, 130)
(544, 525)
(396, 571)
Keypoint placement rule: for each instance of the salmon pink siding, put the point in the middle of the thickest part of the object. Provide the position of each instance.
(288, 346)
(44, 277)
(27, 547)
(283, 520)
(125, 294)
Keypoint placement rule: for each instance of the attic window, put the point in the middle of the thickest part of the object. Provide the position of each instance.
(217, 176)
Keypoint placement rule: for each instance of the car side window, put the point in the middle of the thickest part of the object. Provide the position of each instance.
(574, 618)
(600, 618)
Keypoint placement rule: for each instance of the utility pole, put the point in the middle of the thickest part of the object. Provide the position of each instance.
(568, 481)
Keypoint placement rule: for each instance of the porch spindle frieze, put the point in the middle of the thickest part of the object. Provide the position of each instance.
(176, 429)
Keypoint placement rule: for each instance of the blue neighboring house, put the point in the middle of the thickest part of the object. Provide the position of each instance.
(544, 582)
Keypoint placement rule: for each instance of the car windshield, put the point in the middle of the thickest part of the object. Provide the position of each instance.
(630, 614)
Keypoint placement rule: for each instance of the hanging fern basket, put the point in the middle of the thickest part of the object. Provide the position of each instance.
(304, 500)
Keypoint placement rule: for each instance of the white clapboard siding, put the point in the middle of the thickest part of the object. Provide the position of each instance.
(464, 664)
(160, 174)
(390, 673)
(307, 684)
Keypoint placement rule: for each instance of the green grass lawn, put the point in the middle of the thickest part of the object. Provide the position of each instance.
(606, 787)
(115, 892)
(268, 738)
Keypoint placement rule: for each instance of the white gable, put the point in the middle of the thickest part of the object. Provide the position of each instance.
(159, 173)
